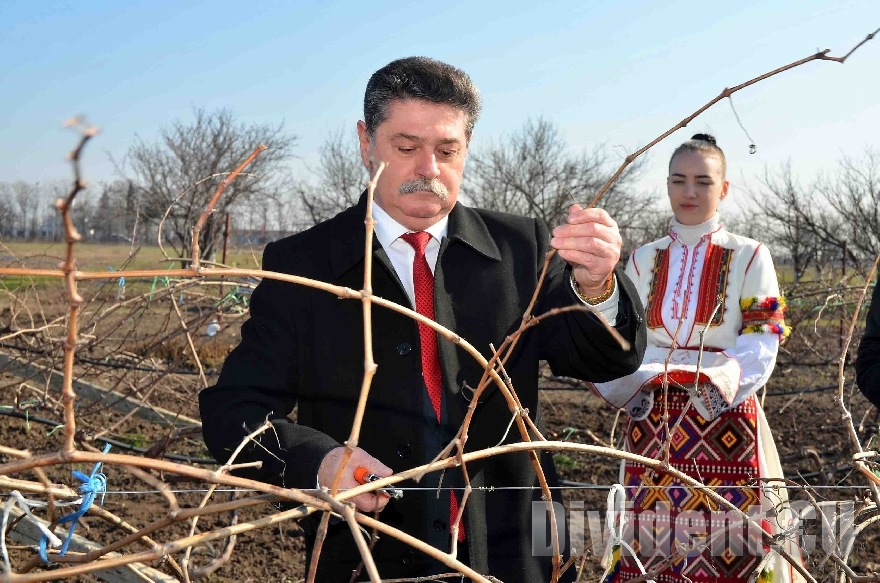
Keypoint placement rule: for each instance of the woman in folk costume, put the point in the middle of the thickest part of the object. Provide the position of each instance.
(702, 285)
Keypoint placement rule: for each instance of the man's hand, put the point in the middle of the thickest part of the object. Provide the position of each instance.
(327, 472)
(590, 241)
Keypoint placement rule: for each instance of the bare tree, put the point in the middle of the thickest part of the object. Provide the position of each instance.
(181, 171)
(290, 213)
(7, 210)
(114, 215)
(533, 173)
(341, 177)
(26, 209)
(8, 217)
(643, 216)
(814, 224)
(854, 194)
(83, 213)
(791, 219)
(26, 196)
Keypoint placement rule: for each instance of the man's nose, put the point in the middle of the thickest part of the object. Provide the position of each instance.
(690, 190)
(427, 165)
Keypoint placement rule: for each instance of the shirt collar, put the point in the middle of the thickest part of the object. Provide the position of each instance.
(388, 230)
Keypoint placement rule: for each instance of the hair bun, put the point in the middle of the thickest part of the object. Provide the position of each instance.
(705, 138)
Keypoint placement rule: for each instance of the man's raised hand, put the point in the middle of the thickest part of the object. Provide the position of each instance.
(590, 241)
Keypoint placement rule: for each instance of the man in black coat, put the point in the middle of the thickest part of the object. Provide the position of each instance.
(304, 347)
(868, 361)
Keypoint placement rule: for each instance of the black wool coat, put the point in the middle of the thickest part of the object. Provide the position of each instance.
(303, 347)
(868, 361)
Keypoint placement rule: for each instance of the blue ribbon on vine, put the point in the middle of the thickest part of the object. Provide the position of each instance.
(121, 280)
(92, 485)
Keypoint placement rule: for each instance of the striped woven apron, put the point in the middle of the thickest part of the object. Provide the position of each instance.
(665, 514)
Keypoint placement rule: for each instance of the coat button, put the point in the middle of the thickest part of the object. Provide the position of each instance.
(404, 451)
(404, 348)
(440, 525)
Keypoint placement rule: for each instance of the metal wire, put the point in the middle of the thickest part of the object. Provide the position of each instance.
(568, 486)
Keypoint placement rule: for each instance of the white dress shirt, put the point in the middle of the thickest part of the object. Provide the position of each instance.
(401, 254)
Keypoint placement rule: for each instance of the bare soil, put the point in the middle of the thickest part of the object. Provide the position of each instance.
(808, 427)
(130, 348)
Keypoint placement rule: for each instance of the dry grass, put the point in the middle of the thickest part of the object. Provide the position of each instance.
(99, 257)
(102, 256)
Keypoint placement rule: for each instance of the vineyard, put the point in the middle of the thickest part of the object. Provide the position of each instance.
(104, 348)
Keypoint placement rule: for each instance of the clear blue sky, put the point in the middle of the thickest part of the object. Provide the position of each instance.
(604, 72)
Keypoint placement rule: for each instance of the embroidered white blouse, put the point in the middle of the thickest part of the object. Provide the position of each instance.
(704, 282)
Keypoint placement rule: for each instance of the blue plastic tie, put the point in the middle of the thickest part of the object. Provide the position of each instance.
(121, 280)
(93, 484)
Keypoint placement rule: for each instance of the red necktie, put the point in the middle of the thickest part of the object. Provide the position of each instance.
(423, 282)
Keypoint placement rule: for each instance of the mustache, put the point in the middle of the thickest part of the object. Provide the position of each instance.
(424, 185)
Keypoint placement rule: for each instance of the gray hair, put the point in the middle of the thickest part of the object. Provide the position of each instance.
(420, 78)
(704, 143)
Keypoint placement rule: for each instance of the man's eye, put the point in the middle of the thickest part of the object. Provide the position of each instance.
(705, 183)
(406, 150)
(678, 182)
(448, 153)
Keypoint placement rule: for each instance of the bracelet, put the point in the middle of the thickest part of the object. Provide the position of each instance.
(603, 297)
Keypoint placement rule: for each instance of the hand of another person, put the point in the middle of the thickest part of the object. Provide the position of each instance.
(370, 502)
(590, 242)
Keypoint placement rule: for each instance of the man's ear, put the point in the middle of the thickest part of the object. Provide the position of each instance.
(724, 188)
(364, 142)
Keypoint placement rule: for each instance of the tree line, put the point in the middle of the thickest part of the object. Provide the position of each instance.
(531, 171)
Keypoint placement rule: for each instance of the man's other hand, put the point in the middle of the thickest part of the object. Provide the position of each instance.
(370, 502)
(590, 241)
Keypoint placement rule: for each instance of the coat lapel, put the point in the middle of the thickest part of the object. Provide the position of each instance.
(347, 238)
(347, 243)
(466, 228)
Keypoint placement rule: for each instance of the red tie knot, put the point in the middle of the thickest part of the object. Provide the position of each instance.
(418, 240)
